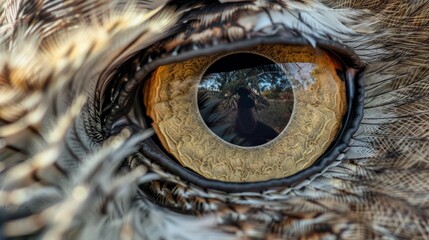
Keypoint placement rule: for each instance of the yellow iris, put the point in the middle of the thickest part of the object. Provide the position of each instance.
(319, 106)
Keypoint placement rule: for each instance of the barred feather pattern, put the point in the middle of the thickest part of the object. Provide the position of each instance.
(62, 177)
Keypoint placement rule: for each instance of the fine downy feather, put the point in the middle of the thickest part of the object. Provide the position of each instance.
(61, 176)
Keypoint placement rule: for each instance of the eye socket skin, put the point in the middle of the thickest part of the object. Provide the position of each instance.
(320, 104)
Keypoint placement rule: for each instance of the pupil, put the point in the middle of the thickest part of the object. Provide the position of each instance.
(245, 99)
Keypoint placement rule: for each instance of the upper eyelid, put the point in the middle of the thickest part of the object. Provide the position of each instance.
(197, 31)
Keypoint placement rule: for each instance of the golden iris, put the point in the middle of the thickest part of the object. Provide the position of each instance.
(319, 104)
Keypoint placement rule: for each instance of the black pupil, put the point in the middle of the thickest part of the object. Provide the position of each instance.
(245, 99)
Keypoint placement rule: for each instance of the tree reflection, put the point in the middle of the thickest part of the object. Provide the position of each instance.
(246, 107)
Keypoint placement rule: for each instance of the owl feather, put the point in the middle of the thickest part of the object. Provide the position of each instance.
(62, 176)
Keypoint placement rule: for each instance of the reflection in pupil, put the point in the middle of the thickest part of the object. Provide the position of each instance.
(247, 105)
(247, 126)
(246, 121)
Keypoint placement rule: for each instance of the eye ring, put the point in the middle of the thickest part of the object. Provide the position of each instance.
(355, 94)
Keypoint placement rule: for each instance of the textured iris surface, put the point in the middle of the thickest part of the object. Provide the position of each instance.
(78, 153)
(320, 104)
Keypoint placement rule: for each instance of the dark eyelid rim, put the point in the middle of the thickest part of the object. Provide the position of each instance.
(355, 96)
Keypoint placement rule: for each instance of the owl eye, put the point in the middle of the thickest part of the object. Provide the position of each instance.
(253, 117)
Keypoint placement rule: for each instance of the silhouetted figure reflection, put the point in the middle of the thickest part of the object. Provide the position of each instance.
(247, 126)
